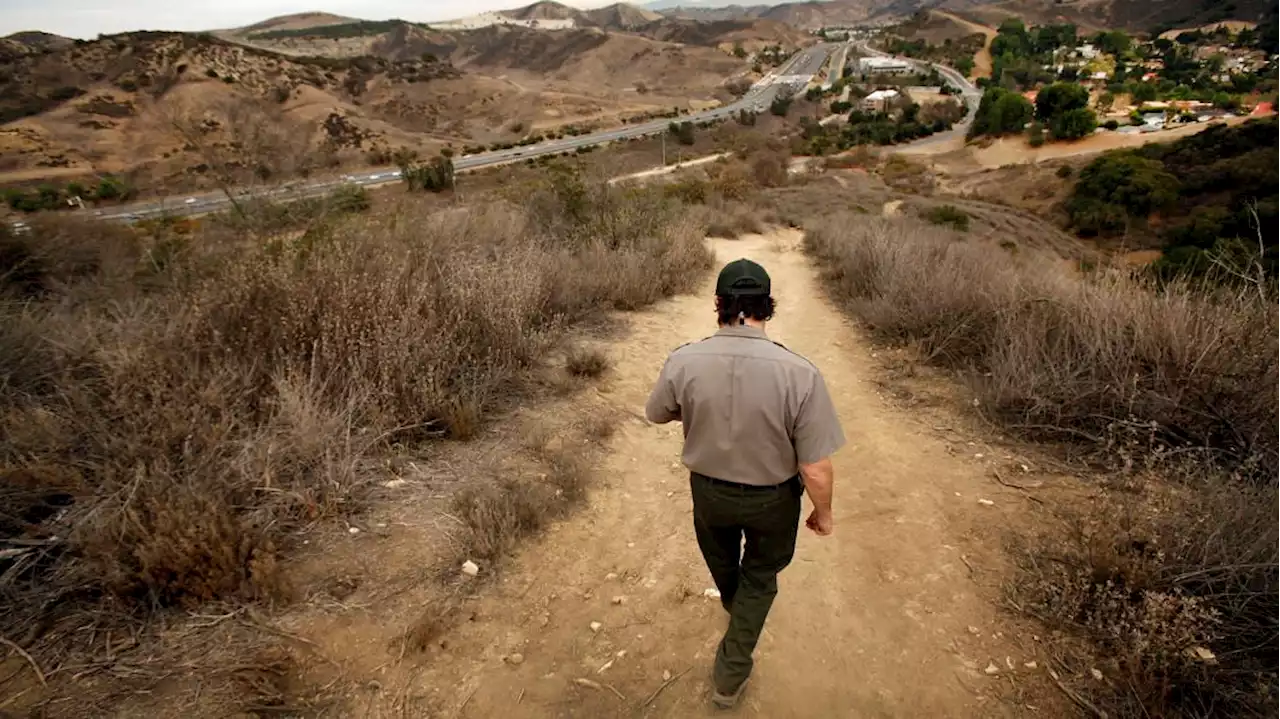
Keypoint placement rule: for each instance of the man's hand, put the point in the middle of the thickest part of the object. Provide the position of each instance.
(820, 523)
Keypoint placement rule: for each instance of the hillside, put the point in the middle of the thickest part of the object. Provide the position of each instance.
(724, 34)
(620, 16)
(109, 105)
(117, 105)
(40, 41)
(1101, 14)
(545, 10)
(296, 21)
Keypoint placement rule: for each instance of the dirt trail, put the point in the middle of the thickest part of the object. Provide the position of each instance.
(881, 620)
(982, 59)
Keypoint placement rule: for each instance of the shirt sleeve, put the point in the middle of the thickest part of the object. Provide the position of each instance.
(663, 406)
(818, 433)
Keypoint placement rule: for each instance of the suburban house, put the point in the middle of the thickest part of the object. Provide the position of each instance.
(884, 66)
(878, 101)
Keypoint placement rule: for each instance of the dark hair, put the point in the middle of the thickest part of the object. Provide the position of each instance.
(754, 307)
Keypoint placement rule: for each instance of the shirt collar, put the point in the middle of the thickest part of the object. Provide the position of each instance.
(741, 331)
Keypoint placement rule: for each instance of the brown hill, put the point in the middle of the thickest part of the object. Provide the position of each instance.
(545, 10)
(725, 33)
(621, 16)
(295, 21)
(40, 41)
(116, 105)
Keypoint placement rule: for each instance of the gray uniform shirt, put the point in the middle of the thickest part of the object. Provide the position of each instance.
(752, 410)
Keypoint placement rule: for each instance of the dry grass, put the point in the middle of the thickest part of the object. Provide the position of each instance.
(1177, 380)
(178, 405)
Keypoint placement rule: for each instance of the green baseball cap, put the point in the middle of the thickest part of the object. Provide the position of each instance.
(743, 278)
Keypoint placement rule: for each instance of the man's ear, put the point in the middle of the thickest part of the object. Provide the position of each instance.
(718, 303)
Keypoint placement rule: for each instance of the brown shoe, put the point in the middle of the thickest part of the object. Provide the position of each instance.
(729, 701)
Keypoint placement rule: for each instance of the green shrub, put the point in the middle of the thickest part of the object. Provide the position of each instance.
(949, 215)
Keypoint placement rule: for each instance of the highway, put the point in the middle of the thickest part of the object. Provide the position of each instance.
(793, 75)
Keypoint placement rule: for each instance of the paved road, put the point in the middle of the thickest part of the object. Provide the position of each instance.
(792, 75)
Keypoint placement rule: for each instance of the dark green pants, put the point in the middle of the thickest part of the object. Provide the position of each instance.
(747, 535)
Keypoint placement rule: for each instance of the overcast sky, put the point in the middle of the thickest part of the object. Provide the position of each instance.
(89, 18)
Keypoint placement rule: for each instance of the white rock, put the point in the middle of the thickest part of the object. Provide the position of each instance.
(516, 659)
(394, 483)
(666, 675)
(618, 600)
(610, 577)
(1008, 662)
(1030, 665)
(992, 669)
(1097, 673)
(621, 653)
(986, 503)
(353, 530)
(979, 455)
(711, 593)
(975, 631)
(470, 568)
(595, 626)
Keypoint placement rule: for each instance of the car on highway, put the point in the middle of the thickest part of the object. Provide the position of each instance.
(190, 201)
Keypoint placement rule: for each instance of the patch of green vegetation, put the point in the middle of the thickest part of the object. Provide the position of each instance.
(948, 215)
(1215, 192)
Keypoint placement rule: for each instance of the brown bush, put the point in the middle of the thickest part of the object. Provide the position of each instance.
(207, 405)
(1174, 380)
(586, 362)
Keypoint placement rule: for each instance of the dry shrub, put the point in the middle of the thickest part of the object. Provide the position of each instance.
(1177, 379)
(1157, 581)
(1100, 358)
(214, 402)
(732, 219)
(586, 362)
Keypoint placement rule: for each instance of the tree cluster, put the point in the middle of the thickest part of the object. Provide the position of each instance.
(435, 175)
(1001, 112)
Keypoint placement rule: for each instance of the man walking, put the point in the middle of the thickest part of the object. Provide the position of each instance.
(759, 429)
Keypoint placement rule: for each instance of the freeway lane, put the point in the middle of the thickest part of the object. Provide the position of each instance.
(792, 75)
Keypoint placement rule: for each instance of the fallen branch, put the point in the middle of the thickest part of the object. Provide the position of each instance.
(23, 653)
(665, 684)
(1021, 488)
(599, 687)
(1079, 700)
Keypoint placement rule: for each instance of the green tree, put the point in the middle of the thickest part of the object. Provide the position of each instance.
(1001, 112)
(964, 65)
(682, 131)
(1073, 124)
(781, 105)
(1059, 98)
(1116, 186)
(437, 175)
(738, 50)
(1143, 92)
(1115, 42)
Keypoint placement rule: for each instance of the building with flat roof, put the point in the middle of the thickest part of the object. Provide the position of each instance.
(884, 66)
(878, 101)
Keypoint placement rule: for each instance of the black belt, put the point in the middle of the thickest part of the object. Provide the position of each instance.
(788, 484)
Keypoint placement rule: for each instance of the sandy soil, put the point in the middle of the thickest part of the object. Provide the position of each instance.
(1013, 150)
(862, 616)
